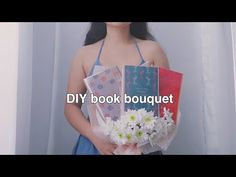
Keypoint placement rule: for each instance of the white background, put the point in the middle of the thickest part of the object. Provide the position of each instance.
(8, 77)
(201, 51)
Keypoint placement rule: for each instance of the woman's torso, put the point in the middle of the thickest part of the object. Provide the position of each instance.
(99, 54)
(129, 54)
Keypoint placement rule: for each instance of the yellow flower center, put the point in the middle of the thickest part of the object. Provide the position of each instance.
(128, 136)
(133, 118)
(139, 134)
(147, 119)
(120, 135)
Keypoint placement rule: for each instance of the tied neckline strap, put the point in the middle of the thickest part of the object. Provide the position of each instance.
(97, 62)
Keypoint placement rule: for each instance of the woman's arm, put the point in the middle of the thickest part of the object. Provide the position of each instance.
(75, 86)
(160, 58)
(73, 112)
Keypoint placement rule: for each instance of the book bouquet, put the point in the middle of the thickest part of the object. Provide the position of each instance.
(148, 123)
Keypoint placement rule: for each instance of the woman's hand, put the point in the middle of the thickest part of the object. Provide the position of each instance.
(104, 147)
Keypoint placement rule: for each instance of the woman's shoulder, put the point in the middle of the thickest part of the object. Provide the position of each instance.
(87, 55)
(153, 52)
(88, 51)
(149, 45)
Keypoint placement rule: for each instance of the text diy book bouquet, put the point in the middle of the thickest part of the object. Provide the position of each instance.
(145, 112)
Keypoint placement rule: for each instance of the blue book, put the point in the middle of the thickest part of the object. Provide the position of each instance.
(139, 81)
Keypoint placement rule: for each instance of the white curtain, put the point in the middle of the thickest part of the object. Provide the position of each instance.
(203, 52)
(218, 84)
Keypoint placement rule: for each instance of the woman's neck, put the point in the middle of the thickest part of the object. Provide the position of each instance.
(118, 35)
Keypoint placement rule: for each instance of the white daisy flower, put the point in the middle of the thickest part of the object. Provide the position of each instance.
(132, 116)
(129, 135)
(118, 137)
(142, 112)
(149, 120)
(140, 136)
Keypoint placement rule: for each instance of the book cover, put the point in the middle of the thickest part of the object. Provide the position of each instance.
(139, 81)
(151, 81)
(170, 83)
(106, 83)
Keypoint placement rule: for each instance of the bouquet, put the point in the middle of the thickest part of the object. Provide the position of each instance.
(139, 127)
(150, 128)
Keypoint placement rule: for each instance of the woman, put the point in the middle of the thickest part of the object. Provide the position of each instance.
(107, 44)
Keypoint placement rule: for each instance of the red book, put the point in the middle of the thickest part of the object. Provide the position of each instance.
(170, 83)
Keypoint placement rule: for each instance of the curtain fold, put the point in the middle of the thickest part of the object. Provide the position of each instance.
(218, 88)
